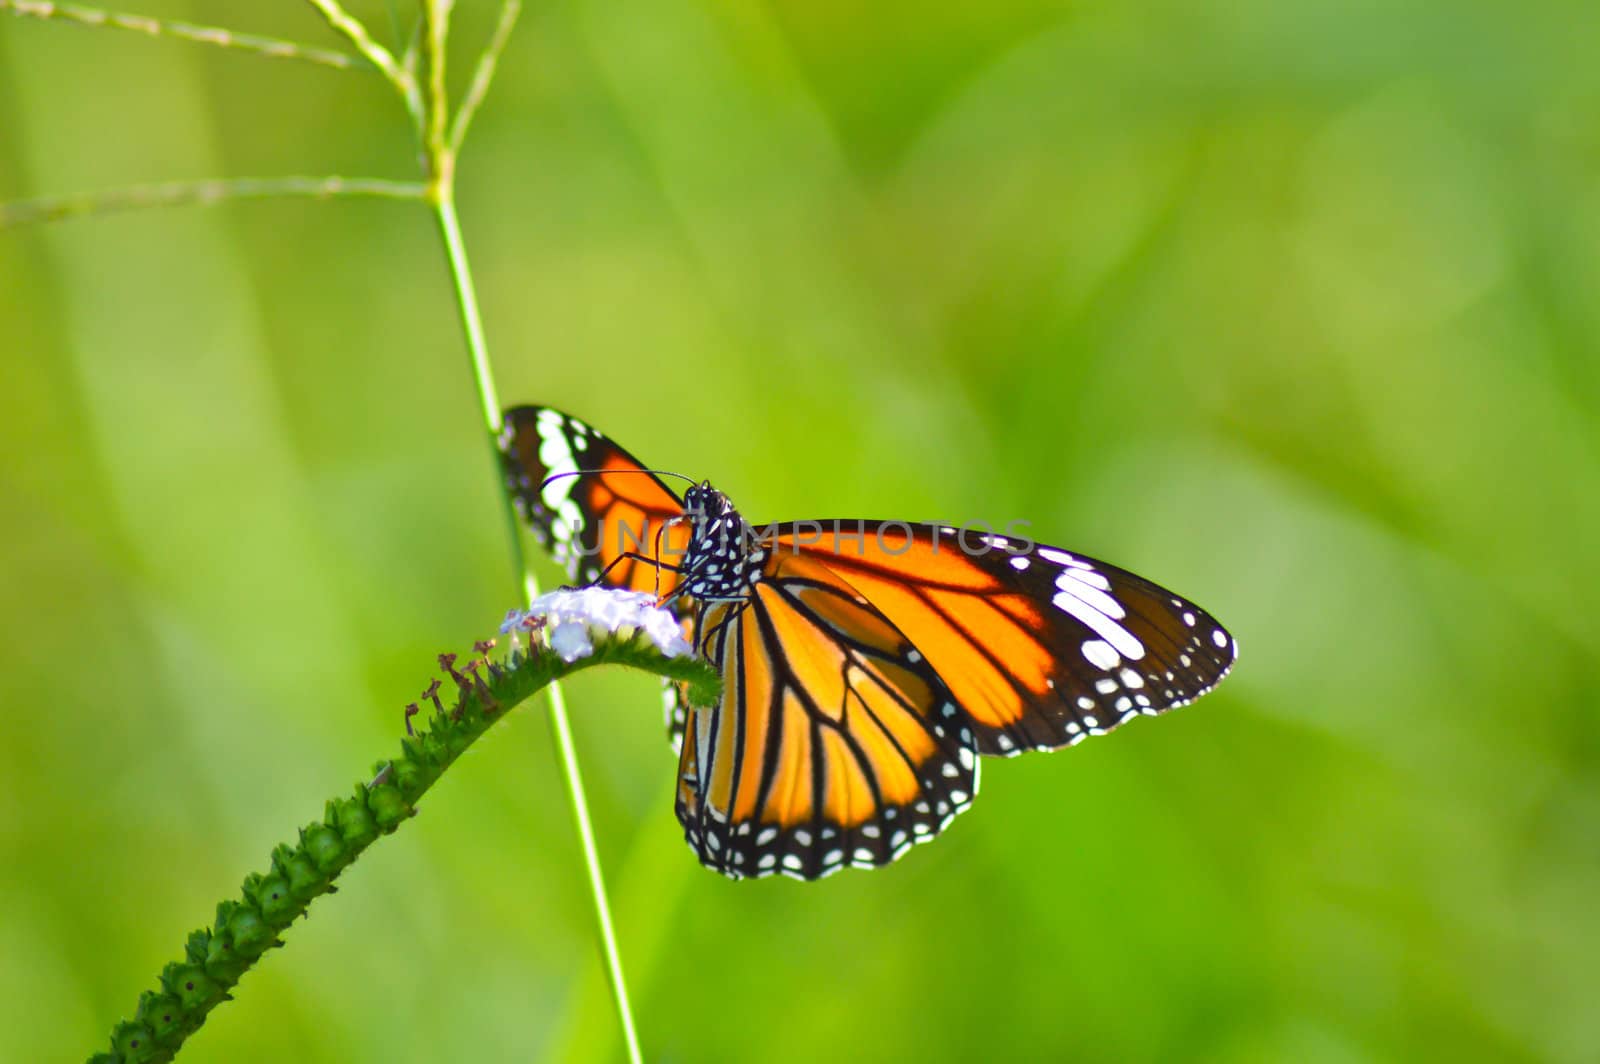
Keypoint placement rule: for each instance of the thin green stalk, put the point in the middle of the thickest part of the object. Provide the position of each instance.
(435, 32)
(202, 193)
(351, 29)
(483, 75)
(562, 730)
(560, 726)
(441, 149)
(271, 47)
(472, 326)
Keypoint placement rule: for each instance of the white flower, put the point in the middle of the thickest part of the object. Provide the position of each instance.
(575, 618)
(571, 641)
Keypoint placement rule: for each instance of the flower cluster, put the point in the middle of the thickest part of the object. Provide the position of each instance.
(572, 620)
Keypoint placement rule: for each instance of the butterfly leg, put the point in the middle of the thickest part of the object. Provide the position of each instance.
(626, 556)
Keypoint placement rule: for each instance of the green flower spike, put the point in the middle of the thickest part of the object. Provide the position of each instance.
(588, 627)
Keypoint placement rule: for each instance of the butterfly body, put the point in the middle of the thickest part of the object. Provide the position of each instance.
(723, 561)
(867, 665)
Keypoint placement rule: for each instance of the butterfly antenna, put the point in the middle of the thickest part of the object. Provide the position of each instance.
(613, 473)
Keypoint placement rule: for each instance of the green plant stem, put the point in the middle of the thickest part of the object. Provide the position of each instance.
(562, 730)
(435, 32)
(440, 144)
(440, 148)
(483, 75)
(270, 47)
(245, 928)
(351, 29)
(472, 326)
(202, 193)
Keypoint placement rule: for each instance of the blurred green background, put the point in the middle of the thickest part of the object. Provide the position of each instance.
(1290, 306)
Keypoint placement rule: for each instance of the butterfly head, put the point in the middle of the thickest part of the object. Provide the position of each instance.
(702, 501)
(722, 561)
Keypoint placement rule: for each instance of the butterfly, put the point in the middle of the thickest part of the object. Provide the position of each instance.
(867, 665)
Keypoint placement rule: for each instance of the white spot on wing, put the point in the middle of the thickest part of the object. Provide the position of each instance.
(1061, 557)
(1090, 577)
(1106, 628)
(1096, 598)
(1101, 655)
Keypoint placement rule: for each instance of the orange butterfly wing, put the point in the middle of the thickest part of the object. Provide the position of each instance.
(835, 743)
(1040, 646)
(601, 505)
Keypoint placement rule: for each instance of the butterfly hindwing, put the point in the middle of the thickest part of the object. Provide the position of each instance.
(835, 743)
(1039, 645)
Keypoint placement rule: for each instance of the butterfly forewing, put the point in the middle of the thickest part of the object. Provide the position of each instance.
(835, 743)
(1039, 645)
(591, 502)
